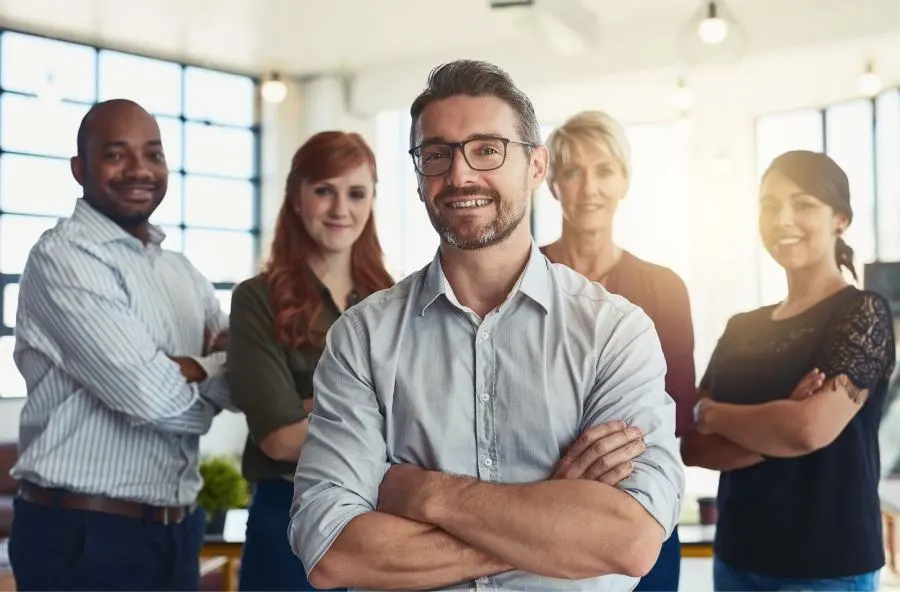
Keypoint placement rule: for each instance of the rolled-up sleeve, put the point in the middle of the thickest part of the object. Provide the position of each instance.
(344, 457)
(630, 387)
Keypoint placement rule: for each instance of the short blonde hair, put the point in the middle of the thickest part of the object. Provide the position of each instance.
(585, 129)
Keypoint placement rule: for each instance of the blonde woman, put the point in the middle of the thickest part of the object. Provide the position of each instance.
(589, 174)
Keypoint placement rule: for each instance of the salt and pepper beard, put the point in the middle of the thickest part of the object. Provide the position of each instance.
(508, 217)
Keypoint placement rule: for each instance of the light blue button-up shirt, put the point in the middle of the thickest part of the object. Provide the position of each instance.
(411, 376)
(108, 412)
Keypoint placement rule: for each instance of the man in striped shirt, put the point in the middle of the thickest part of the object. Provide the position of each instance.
(111, 334)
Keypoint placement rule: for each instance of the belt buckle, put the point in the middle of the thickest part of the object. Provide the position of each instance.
(165, 516)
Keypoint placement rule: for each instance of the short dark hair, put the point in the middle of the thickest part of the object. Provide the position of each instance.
(473, 78)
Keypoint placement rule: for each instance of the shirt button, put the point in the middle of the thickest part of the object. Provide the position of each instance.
(485, 397)
(485, 335)
(488, 462)
(482, 581)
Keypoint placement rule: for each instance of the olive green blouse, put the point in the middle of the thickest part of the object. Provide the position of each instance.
(269, 381)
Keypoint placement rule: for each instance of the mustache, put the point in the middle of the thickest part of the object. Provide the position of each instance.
(467, 191)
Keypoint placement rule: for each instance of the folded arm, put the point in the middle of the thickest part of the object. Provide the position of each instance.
(714, 451)
(78, 314)
(578, 529)
(262, 385)
(335, 530)
(789, 428)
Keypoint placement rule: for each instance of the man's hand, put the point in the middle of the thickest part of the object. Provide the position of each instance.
(190, 369)
(808, 385)
(405, 489)
(603, 453)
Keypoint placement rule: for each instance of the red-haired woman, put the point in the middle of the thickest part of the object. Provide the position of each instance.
(325, 257)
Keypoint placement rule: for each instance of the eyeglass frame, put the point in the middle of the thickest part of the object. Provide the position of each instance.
(462, 149)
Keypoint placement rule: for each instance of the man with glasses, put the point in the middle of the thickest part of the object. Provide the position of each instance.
(470, 423)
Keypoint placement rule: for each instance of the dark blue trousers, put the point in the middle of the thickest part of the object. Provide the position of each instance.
(268, 563)
(53, 548)
(664, 575)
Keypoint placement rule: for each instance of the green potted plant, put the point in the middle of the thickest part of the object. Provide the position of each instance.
(224, 488)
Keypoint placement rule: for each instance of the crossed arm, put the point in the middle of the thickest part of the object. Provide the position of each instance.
(357, 522)
(89, 330)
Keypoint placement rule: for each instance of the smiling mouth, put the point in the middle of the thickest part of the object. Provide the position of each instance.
(590, 207)
(137, 192)
(788, 241)
(468, 203)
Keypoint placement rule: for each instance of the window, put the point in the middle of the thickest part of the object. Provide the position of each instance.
(208, 125)
(887, 166)
(775, 135)
(849, 141)
(404, 229)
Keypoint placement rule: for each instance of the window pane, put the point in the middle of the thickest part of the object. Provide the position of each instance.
(170, 134)
(47, 67)
(205, 93)
(849, 142)
(780, 132)
(224, 298)
(17, 235)
(173, 240)
(11, 382)
(10, 302)
(169, 211)
(39, 127)
(220, 255)
(547, 214)
(218, 203)
(154, 84)
(54, 196)
(213, 150)
(887, 138)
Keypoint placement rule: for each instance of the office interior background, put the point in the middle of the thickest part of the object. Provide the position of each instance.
(705, 112)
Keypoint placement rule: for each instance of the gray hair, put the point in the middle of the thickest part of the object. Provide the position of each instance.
(588, 128)
(474, 78)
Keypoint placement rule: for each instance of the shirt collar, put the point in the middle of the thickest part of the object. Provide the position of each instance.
(98, 227)
(534, 282)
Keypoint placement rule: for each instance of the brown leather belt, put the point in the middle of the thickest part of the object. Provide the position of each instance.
(95, 503)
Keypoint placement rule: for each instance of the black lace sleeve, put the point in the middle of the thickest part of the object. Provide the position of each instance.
(859, 345)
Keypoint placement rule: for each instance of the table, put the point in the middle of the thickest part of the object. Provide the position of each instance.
(218, 546)
(697, 540)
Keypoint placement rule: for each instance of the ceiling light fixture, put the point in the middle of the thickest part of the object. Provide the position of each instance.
(683, 97)
(713, 29)
(273, 89)
(869, 81)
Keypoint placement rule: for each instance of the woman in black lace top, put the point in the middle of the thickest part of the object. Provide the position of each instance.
(791, 401)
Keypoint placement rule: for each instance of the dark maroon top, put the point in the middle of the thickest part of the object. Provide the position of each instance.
(663, 296)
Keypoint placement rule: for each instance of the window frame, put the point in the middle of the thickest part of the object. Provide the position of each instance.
(178, 172)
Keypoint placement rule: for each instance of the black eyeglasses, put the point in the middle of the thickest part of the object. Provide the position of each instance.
(482, 153)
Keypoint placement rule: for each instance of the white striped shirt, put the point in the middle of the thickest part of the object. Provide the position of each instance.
(108, 412)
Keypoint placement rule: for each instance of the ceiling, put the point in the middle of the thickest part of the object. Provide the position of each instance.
(304, 37)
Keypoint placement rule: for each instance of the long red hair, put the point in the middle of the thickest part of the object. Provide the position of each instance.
(296, 301)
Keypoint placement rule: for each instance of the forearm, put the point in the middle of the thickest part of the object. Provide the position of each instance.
(571, 529)
(772, 429)
(194, 421)
(717, 453)
(285, 443)
(380, 551)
